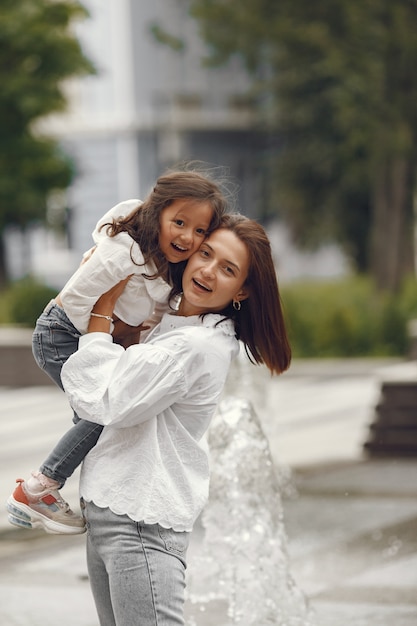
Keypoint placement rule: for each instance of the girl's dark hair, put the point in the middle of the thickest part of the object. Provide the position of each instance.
(260, 321)
(143, 226)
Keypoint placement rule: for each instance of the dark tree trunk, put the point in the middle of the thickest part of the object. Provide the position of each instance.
(392, 224)
(3, 269)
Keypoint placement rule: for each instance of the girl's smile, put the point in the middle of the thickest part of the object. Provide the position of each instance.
(183, 226)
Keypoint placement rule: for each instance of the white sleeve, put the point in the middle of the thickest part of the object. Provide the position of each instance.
(154, 319)
(110, 262)
(119, 210)
(108, 385)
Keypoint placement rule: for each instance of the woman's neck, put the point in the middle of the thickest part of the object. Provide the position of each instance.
(186, 310)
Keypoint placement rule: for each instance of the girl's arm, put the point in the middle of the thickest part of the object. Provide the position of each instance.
(101, 316)
(110, 263)
(123, 334)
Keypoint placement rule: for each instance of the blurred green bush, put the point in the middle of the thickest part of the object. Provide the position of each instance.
(23, 301)
(343, 318)
(348, 318)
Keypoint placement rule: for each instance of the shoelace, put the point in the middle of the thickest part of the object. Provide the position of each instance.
(61, 502)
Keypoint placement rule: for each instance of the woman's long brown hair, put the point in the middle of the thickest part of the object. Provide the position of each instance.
(259, 323)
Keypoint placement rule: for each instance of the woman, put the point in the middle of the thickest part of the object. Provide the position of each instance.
(146, 481)
(151, 241)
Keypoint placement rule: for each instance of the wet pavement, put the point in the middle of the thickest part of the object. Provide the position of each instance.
(350, 521)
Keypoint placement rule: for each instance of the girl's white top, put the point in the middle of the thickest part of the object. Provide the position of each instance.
(156, 400)
(110, 262)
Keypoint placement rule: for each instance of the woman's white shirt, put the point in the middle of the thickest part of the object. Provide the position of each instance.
(156, 401)
(110, 262)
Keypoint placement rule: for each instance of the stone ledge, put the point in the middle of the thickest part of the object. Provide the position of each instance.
(15, 336)
(17, 365)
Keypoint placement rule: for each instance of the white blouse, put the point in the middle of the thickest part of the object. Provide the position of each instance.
(110, 262)
(156, 400)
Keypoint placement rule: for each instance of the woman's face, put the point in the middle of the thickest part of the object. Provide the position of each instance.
(215, 274)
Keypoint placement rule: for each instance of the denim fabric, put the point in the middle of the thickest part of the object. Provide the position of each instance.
(136, 570)
(54, 340)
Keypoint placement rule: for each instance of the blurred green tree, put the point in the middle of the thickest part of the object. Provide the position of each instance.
(336, 86)
(38, 52)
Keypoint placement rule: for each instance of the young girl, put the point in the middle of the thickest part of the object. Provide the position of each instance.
(150, 240)
(146, 481)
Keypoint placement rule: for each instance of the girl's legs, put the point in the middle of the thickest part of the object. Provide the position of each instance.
(54, 340)
(36, 503)
(136, 570)
(70, 451)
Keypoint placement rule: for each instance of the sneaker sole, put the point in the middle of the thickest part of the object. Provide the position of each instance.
(18, 521)
(24, 517)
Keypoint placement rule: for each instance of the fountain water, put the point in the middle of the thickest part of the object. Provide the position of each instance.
(244, 561)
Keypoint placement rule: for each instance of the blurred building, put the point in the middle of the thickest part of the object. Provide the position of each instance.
(148, 107)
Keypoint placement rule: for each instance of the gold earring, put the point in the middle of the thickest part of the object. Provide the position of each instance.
(236, 305)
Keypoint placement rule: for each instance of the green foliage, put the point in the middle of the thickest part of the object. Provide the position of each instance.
(348, 318)
(39, 166)
(38, 52)
(24, 301)
(161, 35)
(336, 83)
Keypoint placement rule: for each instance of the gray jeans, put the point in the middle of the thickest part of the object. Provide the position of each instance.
(136, 570)
(54, 340)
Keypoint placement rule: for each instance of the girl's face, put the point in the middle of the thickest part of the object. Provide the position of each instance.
(182, 228)
(215, 274)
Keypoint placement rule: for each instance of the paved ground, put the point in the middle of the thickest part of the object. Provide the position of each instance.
(351, 522)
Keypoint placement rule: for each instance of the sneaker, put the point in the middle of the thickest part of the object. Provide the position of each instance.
(45, 510)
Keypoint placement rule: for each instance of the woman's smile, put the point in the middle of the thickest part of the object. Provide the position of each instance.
(199, 284)
(215, 274)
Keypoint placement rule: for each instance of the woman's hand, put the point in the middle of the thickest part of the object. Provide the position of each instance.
(126, 335)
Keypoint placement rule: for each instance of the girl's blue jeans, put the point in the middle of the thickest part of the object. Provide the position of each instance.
(54, 340)
(136, 570)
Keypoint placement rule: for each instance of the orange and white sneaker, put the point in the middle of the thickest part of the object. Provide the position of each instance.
(45, 510)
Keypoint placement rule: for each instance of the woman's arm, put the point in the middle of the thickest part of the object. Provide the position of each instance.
(109, 385)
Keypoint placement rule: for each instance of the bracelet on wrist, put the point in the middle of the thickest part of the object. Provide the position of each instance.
(105, 317)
